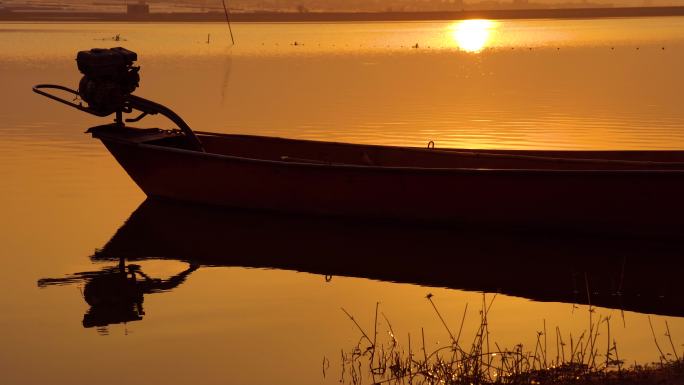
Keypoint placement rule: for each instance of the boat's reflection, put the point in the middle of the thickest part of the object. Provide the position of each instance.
(116, 294)
(630, 274)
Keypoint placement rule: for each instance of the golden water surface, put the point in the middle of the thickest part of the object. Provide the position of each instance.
(612, 84)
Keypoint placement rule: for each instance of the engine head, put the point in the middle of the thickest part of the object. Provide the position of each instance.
(108, 77)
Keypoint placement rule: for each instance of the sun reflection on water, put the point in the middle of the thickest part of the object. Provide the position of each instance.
(473, 35)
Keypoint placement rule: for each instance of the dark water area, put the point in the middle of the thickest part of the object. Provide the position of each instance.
(615, 272)
(232, 296)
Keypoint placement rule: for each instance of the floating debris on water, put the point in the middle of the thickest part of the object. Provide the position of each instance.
(116, 37)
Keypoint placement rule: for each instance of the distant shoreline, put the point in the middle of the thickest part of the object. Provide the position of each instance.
(565, 13)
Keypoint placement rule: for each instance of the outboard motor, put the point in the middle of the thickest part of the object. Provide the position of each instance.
(109, 77)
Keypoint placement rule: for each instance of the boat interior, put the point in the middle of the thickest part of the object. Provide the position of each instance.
(347, 154)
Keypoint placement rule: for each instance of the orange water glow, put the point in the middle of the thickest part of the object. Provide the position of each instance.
(468, 84)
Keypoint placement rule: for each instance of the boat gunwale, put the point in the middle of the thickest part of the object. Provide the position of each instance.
(374, 168)
(476, 153)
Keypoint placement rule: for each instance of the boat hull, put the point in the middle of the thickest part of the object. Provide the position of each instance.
(633, 201)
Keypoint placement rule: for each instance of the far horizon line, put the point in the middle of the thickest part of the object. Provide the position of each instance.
(135, 13)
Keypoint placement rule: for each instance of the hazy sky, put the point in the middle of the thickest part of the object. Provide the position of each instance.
(473, 2)
(616, 2)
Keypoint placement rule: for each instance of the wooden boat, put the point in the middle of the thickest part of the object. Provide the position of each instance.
(640, 191)
(625, 191)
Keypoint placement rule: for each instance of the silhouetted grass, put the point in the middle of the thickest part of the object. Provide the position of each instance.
(575, 360)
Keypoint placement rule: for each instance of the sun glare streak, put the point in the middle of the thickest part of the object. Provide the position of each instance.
(472, 35)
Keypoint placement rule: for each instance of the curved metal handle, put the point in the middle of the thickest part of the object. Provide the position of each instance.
(150, 107)
(132, 102)
(39, 90)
